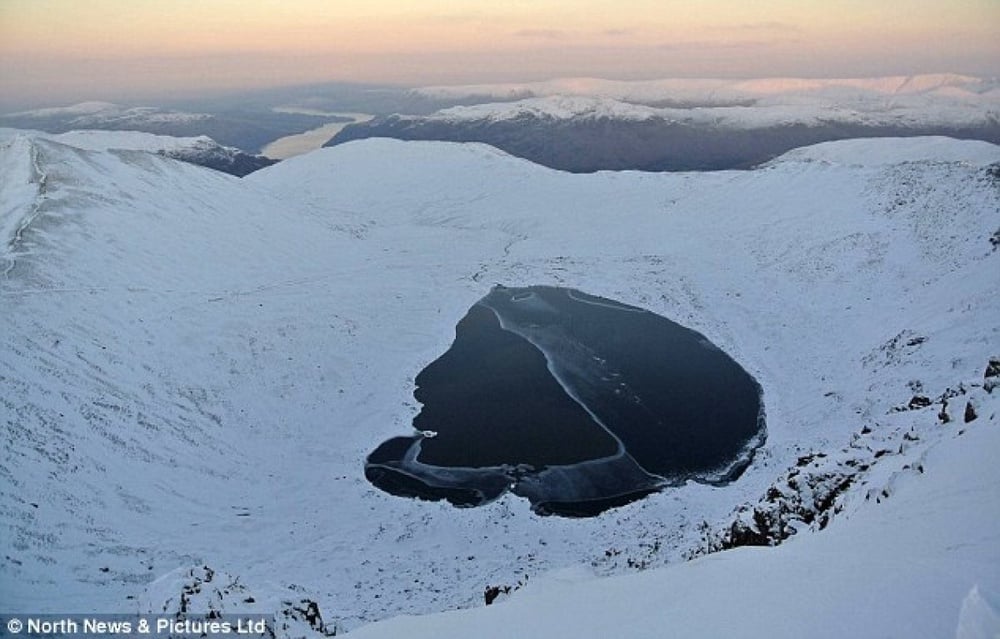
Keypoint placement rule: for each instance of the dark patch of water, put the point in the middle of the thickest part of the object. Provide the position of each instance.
(576, 402)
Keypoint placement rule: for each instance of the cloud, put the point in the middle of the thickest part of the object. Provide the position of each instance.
(770, 25)
(759, 29)
(541, 34)
(618, 33)
(702, 45)
(560, 34)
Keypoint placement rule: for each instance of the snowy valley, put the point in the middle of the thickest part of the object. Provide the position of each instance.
(194, 367)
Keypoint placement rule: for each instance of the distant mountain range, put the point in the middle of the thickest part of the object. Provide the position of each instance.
(585, 125)
(574, 124)
(249, 130)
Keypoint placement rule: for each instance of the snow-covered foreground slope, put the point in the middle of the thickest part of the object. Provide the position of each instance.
(194, 366)
(900, 568)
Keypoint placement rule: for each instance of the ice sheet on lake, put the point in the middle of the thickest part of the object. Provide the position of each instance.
(651, 385)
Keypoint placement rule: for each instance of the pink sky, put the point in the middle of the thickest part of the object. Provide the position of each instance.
(69, 50)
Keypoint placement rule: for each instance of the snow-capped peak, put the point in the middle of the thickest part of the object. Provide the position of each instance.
(81, 108)
(103, 114)
(560, 107)
(720, 92)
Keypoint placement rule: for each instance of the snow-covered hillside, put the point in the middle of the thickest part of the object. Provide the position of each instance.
(920, 563)
(201, 150)
(194, 367)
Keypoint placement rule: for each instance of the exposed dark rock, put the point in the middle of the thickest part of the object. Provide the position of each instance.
(812, 490)
(208, 594)
(304, 611)
(943, 414)
(894, 350)
(991, 378)
(492, 592)
(807, 495)
(950, 393)
(970, 412)
(226, 159)
(993, 173)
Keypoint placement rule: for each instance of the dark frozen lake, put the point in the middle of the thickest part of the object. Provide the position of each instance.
(576, 402)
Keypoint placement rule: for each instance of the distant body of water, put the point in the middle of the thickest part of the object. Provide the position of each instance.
(576, 402)
(292, 145)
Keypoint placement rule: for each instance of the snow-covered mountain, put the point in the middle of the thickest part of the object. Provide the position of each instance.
(201, 150)
(194, 367)
(248, 128)
(588, 125)
(95, 114)
(719, 92)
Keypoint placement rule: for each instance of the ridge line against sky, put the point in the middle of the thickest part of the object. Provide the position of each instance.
(65, 50)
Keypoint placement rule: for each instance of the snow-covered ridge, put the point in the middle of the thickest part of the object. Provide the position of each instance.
(102, 140)
(872, 153)
(201, 150)
(561, 107)
(22, 187)
(905, 111)
(725, 92)
(89, 114)
(926, 99)
(81, 108)
(187, 359)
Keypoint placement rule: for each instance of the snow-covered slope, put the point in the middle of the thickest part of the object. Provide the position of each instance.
(201, 150)
(193, 366)
(904, 567)
(902, 151)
